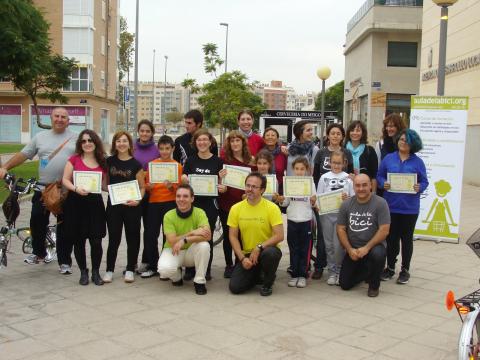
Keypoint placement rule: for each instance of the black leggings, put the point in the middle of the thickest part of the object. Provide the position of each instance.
(402, 227)
(117, 217)
(96, 253)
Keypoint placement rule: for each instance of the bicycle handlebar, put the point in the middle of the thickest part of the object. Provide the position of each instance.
(21, 186)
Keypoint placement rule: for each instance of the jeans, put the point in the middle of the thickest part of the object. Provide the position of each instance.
(243, 280)
(368, 268)
(299, 236)
(402, 227)
(117, 217)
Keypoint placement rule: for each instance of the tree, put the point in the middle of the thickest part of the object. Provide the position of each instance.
(125, 49)
(174, 117)
(26, 58)
(211, 59)
(333, 99)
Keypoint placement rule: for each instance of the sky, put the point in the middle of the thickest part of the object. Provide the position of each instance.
(268, 40)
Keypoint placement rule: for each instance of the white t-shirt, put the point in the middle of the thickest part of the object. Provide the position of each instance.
(330, 182)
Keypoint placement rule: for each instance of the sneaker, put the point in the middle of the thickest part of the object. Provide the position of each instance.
(227, 274)
(387, 274)
(65, 269)
(148, 274)
(373, 292)
(403, 277)
(189, 273)
(332, 279)
(33, 259)
(266, 290)
(108, 277)
(177, 283)
(200, 289)
(142, 268)
(302, 282)
(317, 274)
(129, 277)
(292, 282)
(337, 280)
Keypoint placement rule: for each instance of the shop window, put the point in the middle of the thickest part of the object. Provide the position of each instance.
(402, 54)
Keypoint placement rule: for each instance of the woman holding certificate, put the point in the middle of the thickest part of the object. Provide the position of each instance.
(236, 153)
(403, 176)
(201, 172)
(84, 210)
(126, 189)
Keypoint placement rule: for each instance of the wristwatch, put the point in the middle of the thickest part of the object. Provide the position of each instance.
(185, 241)
(260, 247)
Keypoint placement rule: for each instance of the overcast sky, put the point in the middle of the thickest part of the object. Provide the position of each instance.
(268, 39)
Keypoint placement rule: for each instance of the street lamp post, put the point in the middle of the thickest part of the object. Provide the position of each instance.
(226, 44)
(135, 86)
(153, 88)
(442, 55)
(165, 92)
(323, 73)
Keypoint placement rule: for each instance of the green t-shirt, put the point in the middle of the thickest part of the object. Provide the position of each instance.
(174, 224)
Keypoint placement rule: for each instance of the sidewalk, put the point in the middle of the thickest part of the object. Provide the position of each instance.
(50, 316)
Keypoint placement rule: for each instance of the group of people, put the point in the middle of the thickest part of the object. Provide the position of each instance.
(353, 245)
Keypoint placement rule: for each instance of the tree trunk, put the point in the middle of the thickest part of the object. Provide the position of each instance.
(35, 106)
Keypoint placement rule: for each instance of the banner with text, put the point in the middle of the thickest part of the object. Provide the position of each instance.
(441, 122)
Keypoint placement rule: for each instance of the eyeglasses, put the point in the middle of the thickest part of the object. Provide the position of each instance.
(84, 141)
(253, 187)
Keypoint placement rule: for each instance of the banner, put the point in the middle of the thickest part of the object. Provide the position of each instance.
(441, 122)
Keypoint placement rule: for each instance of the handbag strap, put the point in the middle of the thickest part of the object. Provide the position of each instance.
(58, 149)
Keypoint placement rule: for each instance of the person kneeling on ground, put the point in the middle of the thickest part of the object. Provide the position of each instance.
(260, 224)
(187, 232)
(363, 224)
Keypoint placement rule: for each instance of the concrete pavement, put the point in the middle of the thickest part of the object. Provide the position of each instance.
(49, 316)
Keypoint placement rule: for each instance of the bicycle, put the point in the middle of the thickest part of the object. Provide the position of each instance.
(468, 308)
(11, 210)
(217, 233)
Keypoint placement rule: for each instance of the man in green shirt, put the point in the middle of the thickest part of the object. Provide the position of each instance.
(187, 232)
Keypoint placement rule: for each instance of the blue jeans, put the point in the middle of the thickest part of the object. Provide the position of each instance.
(299, 237)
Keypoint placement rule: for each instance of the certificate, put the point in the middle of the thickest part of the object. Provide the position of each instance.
(402, 183)
(271, 185)
(297, 186)
(329, 202)
(204, 185)
(122, 192)
(159, 172)
(90, 181)
(236, 176)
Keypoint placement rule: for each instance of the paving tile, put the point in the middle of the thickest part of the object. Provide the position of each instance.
(286, 319)
(409, 350)
(368, 341)
(67, 338)
(435, 339)
(120, 308)
(23, 348)
(100, 350)
(394, 329)
(325, 329)
(253, 348)
(417, 319)
(39, 326)
(8, 334)
(335, 350)
(150, 317)
(142, 338)
(182, 326)
(217, 339)
(353, 319)
(113, 326)
(180, 350)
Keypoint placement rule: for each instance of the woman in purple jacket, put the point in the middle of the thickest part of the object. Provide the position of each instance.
(144, 151)
(404, 207)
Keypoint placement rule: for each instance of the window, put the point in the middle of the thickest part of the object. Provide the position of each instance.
(102, 45)
(104, 10)
(79, 80)
(402, 54)
(102, 79)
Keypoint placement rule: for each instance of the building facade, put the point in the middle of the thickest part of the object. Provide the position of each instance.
(462, 68)
(88, 31)
(382, 61)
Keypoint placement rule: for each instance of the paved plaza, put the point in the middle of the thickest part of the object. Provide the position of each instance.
(45, 315)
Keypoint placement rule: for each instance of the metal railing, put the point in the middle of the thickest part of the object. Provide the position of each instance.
(367, 5)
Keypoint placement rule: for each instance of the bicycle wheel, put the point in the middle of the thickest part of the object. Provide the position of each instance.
(3, 257)
(218, 233)
(469, 341)
(51, 244)
(27, 247)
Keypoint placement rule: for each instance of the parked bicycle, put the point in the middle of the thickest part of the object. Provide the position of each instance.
(468, 308)
(11, 210)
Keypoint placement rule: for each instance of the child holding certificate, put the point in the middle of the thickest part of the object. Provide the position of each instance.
(334, 180)
(84, 177)
(122, 168)
(299, 232)
(264, 162)
(163, 177)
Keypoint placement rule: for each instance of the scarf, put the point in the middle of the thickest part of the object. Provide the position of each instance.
(388, 146)
(274, 153)
(356, 153)
(184, 215)
(247, 134)
(297, 148)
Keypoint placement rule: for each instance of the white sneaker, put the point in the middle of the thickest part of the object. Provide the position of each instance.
(148, 274)
(65, 269)
(302, 282)
(332, 279)
(142, 268)
(292, 282)
(337, 280)
(129, 277)
(108, 277)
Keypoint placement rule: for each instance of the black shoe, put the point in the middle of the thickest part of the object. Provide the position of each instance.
(189, 273)
(96, 278)
(387, 274)
(208, 276)
(200, 289)
(177, 283)
(317, 274)
(83, 277)
(227, 274)
(373, 292)
(403, 277)
(266, 291)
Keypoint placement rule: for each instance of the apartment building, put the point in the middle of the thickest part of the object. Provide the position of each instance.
(88, 31)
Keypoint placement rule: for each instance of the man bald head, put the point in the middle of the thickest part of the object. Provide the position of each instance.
(363, 187)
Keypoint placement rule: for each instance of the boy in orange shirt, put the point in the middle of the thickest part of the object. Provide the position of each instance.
(161, 200)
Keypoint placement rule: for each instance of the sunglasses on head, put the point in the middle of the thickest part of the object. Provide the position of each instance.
(84, 141)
